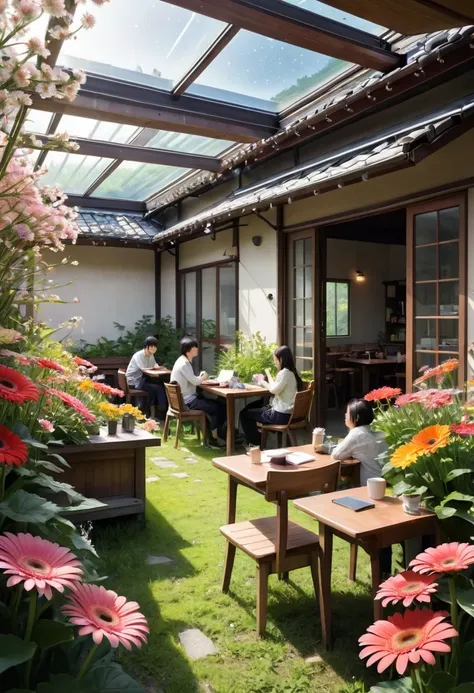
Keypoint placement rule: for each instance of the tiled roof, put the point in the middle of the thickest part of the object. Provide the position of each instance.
(337, 105)
(109, 225)
(383, 153)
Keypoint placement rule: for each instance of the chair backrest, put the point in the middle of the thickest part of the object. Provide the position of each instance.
(122, 381)
(302, 404)
(175, 397)
(286, 485)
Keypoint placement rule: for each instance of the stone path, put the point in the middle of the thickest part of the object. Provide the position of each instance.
(196, 644)
(158, 560)
(181, 475)
(190, 460)
(151, 479)
(163, 463)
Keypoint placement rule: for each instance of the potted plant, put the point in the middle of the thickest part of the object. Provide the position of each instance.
(130, 415)
(112, 414)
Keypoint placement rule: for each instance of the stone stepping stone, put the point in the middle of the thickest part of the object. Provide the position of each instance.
(165, 464)
(158, 560)
(196, 644)
(181, 475)
(151, 479)
(314, 659)
(190, 460)
(197, 481)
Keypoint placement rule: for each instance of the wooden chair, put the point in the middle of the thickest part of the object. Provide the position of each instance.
(129, 392)
(276, 544)
(350, 469)
(300, 418)
(177, 410)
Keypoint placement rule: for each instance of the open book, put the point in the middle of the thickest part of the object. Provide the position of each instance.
(294, 458)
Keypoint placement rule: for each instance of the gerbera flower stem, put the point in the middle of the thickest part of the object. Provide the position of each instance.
(87, 662)
(31, 616)
(454, 621)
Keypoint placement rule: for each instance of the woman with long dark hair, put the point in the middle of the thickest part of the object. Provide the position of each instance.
(283, 388)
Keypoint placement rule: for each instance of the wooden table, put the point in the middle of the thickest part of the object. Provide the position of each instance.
(241, 471)
(110, 469)
(372, 529)
(366, 365)
(230, 395)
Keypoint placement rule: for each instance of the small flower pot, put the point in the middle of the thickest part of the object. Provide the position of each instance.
(128, 423)
(112, 428)
(93, 429)
(411, 503)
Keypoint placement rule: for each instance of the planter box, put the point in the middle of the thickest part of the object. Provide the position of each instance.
(109, 365)
(110, 469)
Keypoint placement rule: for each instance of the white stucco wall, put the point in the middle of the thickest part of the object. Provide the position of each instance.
(168, 285)
(379, 262)
(203, 250)
(258, 279)
(112, 285)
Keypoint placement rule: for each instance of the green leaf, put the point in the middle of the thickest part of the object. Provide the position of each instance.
(466, 600)
(444, 513)
(404, 685)
(441, 682)
(401, 487)
(83, 544)
(59, 459)
(22, 506)
(50, 466)
(88, 504)
(48, 633)
(48, 482)
(457, 472)
(22, 431)
(35, 443)
(62, 683)
(457, 496)
(14, 651)
(110, 680)
(464, 688)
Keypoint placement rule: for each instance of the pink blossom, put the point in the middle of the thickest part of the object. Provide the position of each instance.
(79, 76)
(24, 232)
(47, 425)
(36, 45)
(22, 77)
(88, 21)
(54, 7)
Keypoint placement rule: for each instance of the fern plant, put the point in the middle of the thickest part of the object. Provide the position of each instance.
(248, 355)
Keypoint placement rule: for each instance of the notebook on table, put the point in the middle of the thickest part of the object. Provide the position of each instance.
(355, 504)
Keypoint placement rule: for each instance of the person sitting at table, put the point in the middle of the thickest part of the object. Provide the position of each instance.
(183, 374)
(284, 388)
(141, 375)
(365, 445)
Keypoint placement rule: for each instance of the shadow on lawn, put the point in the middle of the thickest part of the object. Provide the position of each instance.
(124, 547)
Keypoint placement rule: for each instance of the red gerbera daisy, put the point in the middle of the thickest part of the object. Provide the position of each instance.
(13, 451)
(15, 387)
(102, 612)
(106, 389)
(405, 638)
(382, 393)
(464, 429)
(73, 403)
(82, 362)
(47, 363)
(409, 586)
(445, 558)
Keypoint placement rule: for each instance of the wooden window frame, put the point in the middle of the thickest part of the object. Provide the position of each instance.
(436, 205)
(340, 281)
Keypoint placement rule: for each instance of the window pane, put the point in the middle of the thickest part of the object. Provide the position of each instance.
(308, 251)
(149, 41)
(424, 360)
(228, 318)
(449, 298)
(37, 121)
(299, 283)
(448, 335)
(208, 318)
(299, 312)
(308, 311)
(449, 260)
(425, 335)
(338, 15)
(308, 282)
(342, 309)
(135, 181)
(257, 71)
(308, 343)
(91, 129)
(330, 309)
(425, 228)
(425, 297)
(299, 252)
(190, 302)
(425, 263)
(193, 144)
(449, 224)
(299, 342)
(73, 173)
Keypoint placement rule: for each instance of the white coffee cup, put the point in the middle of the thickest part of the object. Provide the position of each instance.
(318, 437)
(376, 488)
(411, 503)
(255, 455)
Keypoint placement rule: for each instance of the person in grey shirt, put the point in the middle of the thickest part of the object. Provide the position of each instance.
(141, 375)
(183, 374)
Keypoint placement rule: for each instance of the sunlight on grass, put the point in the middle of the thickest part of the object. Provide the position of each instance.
(183, 519)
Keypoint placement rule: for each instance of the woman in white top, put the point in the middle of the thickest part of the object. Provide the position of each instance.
(284, 388)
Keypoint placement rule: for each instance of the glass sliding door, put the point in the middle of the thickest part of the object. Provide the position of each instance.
(436, 298)
(209, 309)
(301, 302)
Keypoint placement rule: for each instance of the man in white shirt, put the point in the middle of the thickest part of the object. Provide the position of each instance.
(142, 375)
(183, 374)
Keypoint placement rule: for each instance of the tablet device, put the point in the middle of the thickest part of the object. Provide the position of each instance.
(355, 504)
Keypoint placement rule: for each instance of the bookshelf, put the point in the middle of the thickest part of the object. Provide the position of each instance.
(395, 312)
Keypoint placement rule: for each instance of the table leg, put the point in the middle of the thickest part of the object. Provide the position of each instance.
(231, 500)
(230, 425)
(365, 380)
(376, 579)
(325, 568)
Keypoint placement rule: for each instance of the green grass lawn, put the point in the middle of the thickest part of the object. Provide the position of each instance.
(182, 523)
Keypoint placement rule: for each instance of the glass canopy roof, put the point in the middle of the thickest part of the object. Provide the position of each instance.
(135, 181)
(338, 15)
(73, 173)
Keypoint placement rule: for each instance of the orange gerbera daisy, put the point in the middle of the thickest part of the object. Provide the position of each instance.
(382, 393)
(405, 455)
(430, 439)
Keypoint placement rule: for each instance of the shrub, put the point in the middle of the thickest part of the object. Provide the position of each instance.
(249, 355)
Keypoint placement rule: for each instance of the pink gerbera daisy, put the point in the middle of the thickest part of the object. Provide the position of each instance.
(445, 558)
(38, 563)
(48, 363)
(102, 612)
(409, 586)
(73, 403)
(409, 637)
